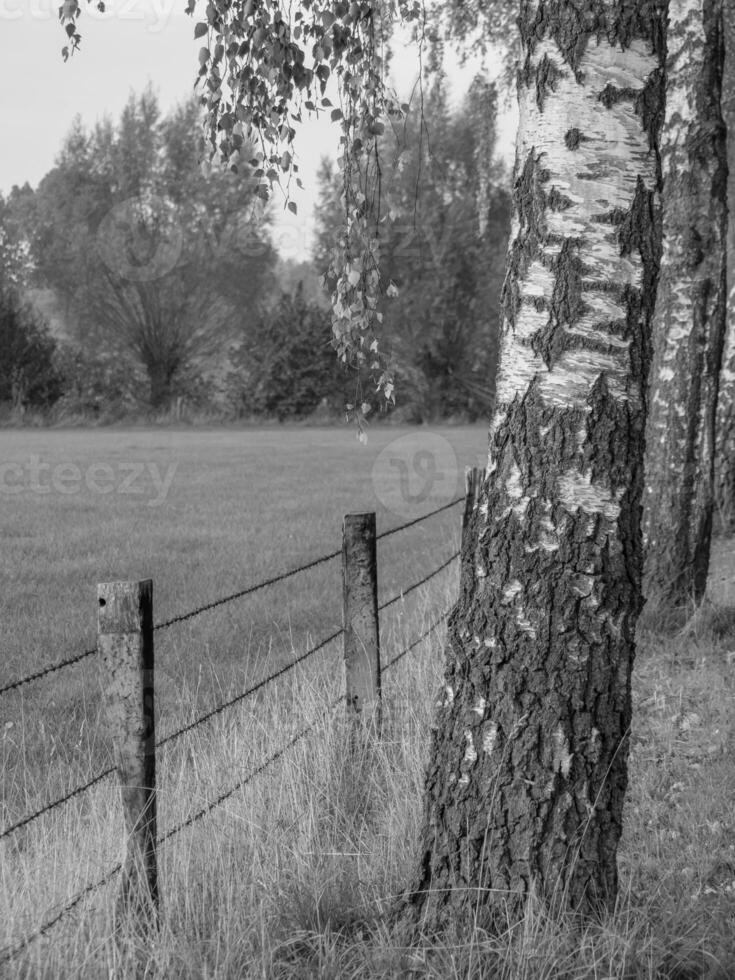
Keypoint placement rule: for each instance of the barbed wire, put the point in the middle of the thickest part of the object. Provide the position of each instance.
(416, 642)
(251, 690)
(249, 591)
(176, 619)
(417, 520)
(247, 779)
(70, 661)
(11, 951)
(276, 674)
(219, 709)
(47, 670)
(404, 592)
(62, 799)
(293, 741)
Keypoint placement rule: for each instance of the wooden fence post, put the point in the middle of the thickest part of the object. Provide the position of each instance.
(125, 643)
(360, 613)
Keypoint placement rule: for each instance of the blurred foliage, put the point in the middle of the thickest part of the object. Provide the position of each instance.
(446, 218)
(28, 375)
(481, 27)
(15, 262)
(161, 285)
(285, 363)
(96, 385)
(148, 258)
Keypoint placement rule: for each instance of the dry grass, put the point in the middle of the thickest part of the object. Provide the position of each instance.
(291, 875)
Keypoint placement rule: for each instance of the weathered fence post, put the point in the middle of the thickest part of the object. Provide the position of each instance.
(360, 613)
(125, 643)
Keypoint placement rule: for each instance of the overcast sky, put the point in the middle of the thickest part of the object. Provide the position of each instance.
(134, 42)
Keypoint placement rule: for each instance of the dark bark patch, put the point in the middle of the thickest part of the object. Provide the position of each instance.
(539, 457)
(568, 24)
(612, 440)
(639, 226)
(558, 201)
(572, 25)
(547, 75)
(710, 109)
(641, 229)
(530, 204)
(615, 216)
(566, 305)
(639, 309)
(611, 95)
(634, 19)
(573, 137)
(650, 105)
(694, 251)
(539, 304)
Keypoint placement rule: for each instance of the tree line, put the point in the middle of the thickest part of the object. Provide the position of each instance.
(131, 280)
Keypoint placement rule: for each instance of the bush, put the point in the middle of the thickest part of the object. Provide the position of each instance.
(28, 374)
(94, 385)
(286, 365)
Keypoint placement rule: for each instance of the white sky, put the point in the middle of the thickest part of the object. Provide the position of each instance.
(134, 42)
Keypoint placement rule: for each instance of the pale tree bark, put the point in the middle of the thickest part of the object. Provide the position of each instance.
(528, 762)
(689, 323)
(725, 440)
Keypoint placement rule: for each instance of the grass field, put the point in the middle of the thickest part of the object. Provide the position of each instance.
(288, 877)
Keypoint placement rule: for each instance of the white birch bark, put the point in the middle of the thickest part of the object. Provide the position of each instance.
(725, 425)
(725, 439)
(527, 775)
(690, 313)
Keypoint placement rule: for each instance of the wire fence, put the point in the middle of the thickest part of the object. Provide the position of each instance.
(9, 952)
(182, 617)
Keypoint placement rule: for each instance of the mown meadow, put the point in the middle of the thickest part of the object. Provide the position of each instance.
(291, 876)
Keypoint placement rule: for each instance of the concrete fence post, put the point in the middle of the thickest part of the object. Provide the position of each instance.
(125, 644)
(360, 614)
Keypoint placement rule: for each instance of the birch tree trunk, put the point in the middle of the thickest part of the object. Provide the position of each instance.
(689, 324)
(528, 763)
(725, 439)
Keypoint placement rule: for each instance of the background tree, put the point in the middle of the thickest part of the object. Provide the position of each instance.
(446, 255)
(149, 258)
(725, 435)
(725, 425)
(528, 763)
(689, 323)
(285, 363)
(28, 376)
(67, 207)
(15, 261)
(442, 243)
